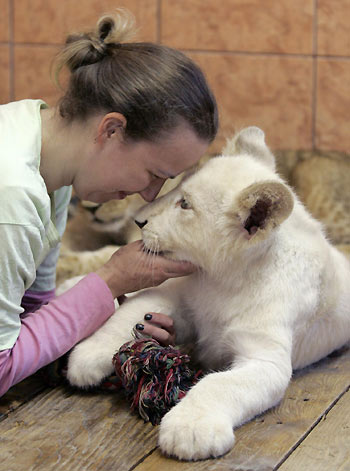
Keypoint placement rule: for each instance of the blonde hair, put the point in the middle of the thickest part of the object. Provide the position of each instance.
(152, 85)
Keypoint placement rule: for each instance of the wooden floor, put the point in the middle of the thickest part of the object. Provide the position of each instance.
(60, 429)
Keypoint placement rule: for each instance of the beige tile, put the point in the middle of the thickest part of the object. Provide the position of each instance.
(239, 25)
(4, 74)
(333, 27)
(32, 73)
(333, 105)
(49, 21)
(4, 20)
(273, 93)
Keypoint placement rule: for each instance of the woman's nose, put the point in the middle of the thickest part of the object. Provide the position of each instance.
(152, 190)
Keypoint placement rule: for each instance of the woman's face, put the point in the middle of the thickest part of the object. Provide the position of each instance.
(122, 168)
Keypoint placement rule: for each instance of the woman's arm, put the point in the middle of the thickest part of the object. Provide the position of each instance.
(55, 328)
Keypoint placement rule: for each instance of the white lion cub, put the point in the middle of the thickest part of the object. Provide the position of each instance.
(271, 295)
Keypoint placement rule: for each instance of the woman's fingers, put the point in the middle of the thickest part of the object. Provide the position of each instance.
(158, 326)
(160, 320)
(131, 268)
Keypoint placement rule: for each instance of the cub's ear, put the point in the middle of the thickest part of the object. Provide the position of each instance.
(264, 206)
(250, 141)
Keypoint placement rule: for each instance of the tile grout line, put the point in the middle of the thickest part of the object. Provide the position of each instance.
(251, 53)
(159, 21)
(206, 51)
(265, 54)
(314, 76)
(11, 51)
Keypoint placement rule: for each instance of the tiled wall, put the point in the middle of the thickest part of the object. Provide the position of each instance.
(280, 64)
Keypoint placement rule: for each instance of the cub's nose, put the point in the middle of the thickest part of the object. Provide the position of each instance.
(141, 224)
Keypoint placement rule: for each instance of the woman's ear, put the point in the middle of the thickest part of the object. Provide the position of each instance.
(112, 124)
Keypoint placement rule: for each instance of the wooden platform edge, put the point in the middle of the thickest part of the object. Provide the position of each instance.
(312, 428)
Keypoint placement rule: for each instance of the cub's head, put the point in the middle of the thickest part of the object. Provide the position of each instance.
(116, 217)
(233, 203)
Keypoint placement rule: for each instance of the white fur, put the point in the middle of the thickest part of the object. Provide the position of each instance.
(268, 298)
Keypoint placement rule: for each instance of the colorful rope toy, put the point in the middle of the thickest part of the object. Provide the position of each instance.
(154, 378)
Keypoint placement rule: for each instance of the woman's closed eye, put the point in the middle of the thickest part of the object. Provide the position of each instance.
(155, 177)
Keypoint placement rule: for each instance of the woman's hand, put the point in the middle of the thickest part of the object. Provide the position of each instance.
(130, 269)
(159, 326)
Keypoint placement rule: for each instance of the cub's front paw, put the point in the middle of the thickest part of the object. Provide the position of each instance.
(88, 365)
(192, 432)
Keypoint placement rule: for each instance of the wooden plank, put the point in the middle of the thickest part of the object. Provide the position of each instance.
(328, 445)
(20, 394)
(267, 440)
(65, 429)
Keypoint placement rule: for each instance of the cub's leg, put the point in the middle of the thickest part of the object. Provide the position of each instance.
(201, 425)
(91, 360)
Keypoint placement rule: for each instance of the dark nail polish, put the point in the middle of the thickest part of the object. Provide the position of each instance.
(148, 317)
(140, 326)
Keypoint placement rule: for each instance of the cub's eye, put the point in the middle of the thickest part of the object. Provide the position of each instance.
(183, 204)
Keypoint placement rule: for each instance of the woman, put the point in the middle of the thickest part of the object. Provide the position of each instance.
(133, 115)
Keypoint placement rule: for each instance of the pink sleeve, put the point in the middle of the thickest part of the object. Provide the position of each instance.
(55, 328)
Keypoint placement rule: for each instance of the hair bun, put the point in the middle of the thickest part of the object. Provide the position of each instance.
(105, 26)
(116, 28)
(82, 49)
(88, 48)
